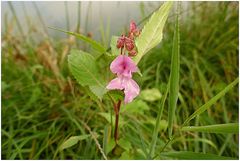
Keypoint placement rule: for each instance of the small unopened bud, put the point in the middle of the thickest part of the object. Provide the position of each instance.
(89, 34)
(131, 35)
(132, 53)
(137, 33)
(120, 42)
(129, 44)
(133, 26)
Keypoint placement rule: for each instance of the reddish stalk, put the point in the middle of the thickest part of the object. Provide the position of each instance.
(116, 109)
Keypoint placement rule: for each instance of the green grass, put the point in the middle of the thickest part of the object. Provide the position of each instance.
(43, 105)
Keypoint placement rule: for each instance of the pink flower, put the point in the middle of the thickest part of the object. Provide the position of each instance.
(123, 66)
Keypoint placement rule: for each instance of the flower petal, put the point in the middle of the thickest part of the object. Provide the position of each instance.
(117, 64)
(131, 90)
(115, 84)
(129, 64)
(125, 73)
(123, 65)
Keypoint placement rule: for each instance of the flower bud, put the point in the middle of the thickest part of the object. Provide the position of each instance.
(132, 53)
(120, 42)
(133, 26)
(89, 34)
(137, 33)
(131, 35)
(129, 45)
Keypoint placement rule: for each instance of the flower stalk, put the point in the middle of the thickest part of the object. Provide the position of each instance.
(117, 110)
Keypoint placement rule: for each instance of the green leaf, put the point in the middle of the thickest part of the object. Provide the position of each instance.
(99, 91)
(162, 124)
(88, 92)
(107, 143)
(174, 78)
(72, 141)
(211, 101)
(116, 94)
(84, 69)
(92, 42)
(126, 156)
(219, 128)
(181, 139)
(114, 49)
(136, 106)
(111, 144)
(139, 155)
(125, 144)
(194, 156)
(150, 94)
(151, 34)
(105, 138)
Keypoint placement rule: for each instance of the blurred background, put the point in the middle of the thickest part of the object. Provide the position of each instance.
(88, 16)
(43, 105)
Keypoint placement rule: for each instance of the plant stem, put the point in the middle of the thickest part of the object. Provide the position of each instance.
(116, 109)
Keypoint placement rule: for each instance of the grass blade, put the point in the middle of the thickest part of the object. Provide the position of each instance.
(226, 142)
(192, 155)
(72, 141)
(220, 128)
(200, 140)
(157, 126)
(79, 18)
(92, 42)
(107, 131)
(212, 101)
(174, 78)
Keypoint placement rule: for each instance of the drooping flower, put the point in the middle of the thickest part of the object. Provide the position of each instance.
(131, 90)
(123, 66)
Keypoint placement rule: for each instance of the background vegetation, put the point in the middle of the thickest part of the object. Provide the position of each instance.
(43, 105)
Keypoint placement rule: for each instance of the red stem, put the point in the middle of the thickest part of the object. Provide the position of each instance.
(116, 109)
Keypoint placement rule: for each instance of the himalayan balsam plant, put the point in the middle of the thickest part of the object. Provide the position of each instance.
(92, 70)
(124, 66)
